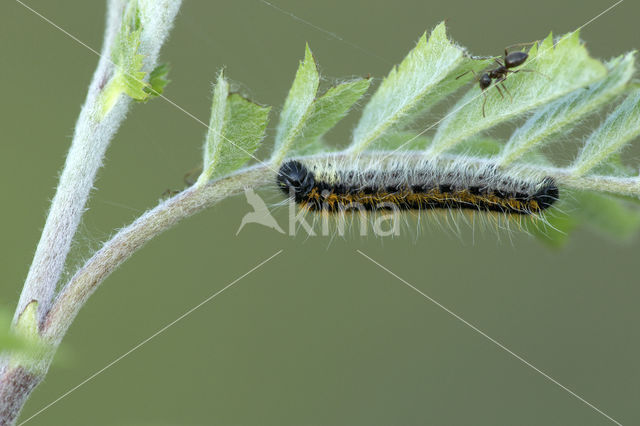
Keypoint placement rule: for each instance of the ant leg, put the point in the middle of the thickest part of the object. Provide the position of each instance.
(463, 74)
(169, 193)
(538, 72)
(506, 90)
(501, 83)
(483, 104)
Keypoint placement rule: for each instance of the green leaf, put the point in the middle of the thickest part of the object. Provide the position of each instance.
(568, 110)
(298, 106)
(328, 110)
(8, 340)
(424, 77)
(129, 74)
(157, 81)
(23, 340)
(407, 141)
(128, 77)
(615, 217)
(236, 129)
(559, 70)
(131, 17)
(556, 226)
(620, 127)
(613, 166)
(479, 147)
(608, 215)
(410, 141)
(215, 133)
(318, 146)
(27, 323)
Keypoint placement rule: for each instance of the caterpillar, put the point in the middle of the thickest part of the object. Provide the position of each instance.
(334, 184)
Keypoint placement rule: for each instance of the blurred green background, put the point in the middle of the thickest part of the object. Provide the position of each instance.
(320, 335)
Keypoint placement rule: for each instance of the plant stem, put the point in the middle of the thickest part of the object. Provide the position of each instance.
(19, 382)
(129, 239)
(90, 141)
(16, 384)
(196, 198)
(94, 130)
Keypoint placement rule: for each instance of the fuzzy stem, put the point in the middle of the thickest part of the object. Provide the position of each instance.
(129, 239)
(185, 204)
(16, 384)
(90, 140)
(196, 198)
(94, 131)
(192, 200)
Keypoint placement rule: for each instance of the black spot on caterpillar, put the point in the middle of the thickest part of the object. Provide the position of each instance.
(333, 185)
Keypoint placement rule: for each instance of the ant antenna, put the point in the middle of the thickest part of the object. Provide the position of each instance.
(467, 72)
(191, 175)
(531, 43)
(535, 71)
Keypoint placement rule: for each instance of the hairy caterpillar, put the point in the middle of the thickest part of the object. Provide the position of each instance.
(333, 184)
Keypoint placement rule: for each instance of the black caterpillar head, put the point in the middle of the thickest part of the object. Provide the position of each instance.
(294, 176)
(547, 194)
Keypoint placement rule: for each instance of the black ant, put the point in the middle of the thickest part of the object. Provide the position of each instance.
(500, 74)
